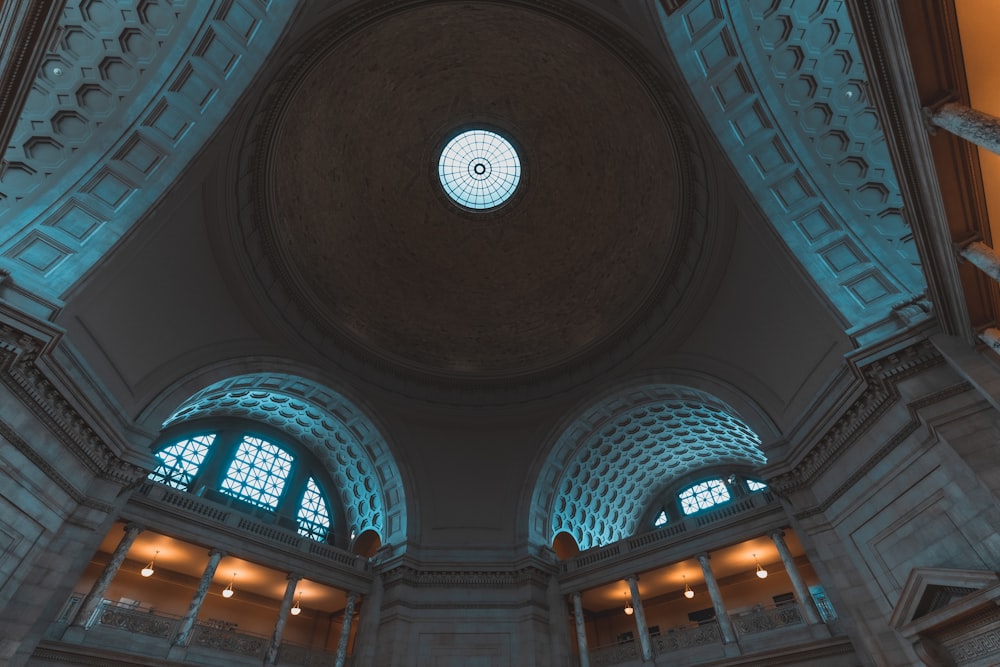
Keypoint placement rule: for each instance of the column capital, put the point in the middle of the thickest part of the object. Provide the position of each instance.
(217, 552)
(778, 534)
(631, 577)
(133, 528)
(293, 577)
(703, 556)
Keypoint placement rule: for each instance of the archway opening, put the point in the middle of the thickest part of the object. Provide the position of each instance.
(366, 544)
(565, 546)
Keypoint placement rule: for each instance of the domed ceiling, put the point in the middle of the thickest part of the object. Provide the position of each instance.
(369, 249)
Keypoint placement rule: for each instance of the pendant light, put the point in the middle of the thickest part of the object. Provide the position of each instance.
(227, 592)
(628, 606)
(151, 568)
(688, 593)
(761, 572)
(296, 610)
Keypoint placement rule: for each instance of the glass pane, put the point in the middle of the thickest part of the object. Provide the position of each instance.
(258, 472)
(479, 169)
(177, 464)
(661, 520)
(703, 495)
(756, 486)
(314, 518)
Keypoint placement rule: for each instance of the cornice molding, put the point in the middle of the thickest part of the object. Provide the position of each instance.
(414, 576)
(880, 378)
(20, 355)
(24, 37)
(881, 38)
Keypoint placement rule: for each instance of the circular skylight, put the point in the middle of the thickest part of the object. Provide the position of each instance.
(479, 169)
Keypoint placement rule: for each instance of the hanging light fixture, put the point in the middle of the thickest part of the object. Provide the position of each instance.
(227, 592)
(688, 593)
(296, 610)
(761, 572)
(628, 606)
(151, 568)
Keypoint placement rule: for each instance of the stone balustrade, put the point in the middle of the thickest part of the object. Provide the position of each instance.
(209, 637)
(243, 523)
(759, 620)
(652, 540)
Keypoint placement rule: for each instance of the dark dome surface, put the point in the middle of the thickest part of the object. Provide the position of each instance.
(375, 255)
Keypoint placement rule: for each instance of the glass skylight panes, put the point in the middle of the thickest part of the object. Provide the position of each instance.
(314, 518)
(756, 486)
(479, 169)
(661, 520)
(703, 495)
(258, 472)
(177, 464)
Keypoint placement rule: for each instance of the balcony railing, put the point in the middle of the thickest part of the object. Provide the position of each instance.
(669, 532)
(248, 524)
(756, 621)
(764, 619)
(687, 636)
(615, 654)
(136, 621)
(214, 637)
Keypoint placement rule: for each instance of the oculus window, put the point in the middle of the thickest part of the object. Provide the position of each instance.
(479, 169)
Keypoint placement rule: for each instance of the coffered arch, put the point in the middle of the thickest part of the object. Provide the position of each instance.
(614, 457)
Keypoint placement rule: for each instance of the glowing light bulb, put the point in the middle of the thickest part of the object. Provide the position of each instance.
(151, 567)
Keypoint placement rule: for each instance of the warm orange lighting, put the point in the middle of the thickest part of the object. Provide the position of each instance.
(761, 572)
(227, 592)
(151, 568)
(296, 610)
(628, 606)
(688, 593)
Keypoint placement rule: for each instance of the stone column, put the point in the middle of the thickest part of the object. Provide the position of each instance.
(980, 128)
(801, 590)
(279, 626)
(368, 624)
(96, 594)
(345, 630)
(581, 630)
(559, 628)
(725, 625)
(983, 258)
(640, 617)
(187, 623)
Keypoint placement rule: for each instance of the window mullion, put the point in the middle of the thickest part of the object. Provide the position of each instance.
(209, 478)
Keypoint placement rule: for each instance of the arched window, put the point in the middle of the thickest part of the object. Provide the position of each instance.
(179, 463)
(314, 519)
(249, 468)
(703, 495)
(258, 472)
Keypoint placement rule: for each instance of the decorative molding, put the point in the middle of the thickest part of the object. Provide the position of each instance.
(19, 371)
(29, 452)
(80, 171)
(25, 33)
(420, 578)
(880, 378)
(785, 90)
(608, 465)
